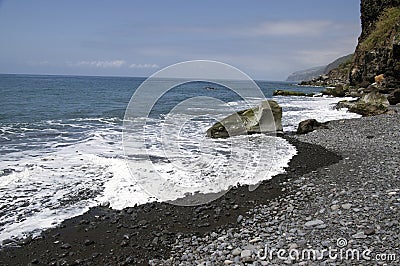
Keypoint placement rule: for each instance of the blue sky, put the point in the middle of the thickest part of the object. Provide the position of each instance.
(267, 39)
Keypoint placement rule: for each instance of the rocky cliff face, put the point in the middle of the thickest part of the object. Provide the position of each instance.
(378, 49)
(371, 10)
(377, 52)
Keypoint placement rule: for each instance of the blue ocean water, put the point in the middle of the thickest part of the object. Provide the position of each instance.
(61, 143)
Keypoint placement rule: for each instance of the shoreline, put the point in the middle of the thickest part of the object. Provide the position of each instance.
(342, 184)
(147, 231)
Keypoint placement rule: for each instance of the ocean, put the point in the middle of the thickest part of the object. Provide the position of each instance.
(62, 148)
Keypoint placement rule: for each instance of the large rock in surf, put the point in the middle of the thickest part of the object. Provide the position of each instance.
(369, 104)
(266, 118)
(309, 125)
(290, 93)
(337, 91)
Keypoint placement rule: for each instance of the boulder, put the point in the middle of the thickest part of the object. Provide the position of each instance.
(394, 97)
(337, 91)
(354, 94)
(369, 104)
(344, 104)
(266, 118)
(290, 93)
(309, 125)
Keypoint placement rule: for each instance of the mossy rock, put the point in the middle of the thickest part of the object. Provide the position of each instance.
(369, 104)
(266, 118)
(337, 91)
(290, 93)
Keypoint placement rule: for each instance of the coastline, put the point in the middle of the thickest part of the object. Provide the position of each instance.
(343, 183)
(148, 231)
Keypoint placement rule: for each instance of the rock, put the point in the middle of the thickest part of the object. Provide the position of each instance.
(129, 260)
(309, 125)
(24, 241)
(301, 242)
(369, 104)
(228, 262)
(142, 223)
(337, 91)
(88, 242)
(7, 241)
(290, 93)
(354, 94)
(236, 252)
(66, 246)
(314, 223)
(369, 231)
(346, 206)
(344, 104)
(394, 97)
(245, 254)
(255, 240)
(124, 243)
(335, 207)
(83, 221)
(203, 225)
(266, 118)
(325, 244)
(359, 235)
(239, 219)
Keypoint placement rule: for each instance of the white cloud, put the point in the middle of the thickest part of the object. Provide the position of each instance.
(290, 28)
(262, 28)
(144, 66)
(102, 64)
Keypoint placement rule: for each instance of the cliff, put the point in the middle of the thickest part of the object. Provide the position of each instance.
(378, 49)
(377, 52)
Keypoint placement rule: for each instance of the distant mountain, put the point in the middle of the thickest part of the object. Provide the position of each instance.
(315, 72)
(306, 74)
(338, 62)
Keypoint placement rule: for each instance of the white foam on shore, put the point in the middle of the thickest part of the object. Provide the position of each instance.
(297, 109)
(45, 186)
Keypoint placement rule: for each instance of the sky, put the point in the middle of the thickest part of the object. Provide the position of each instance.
(267, 39)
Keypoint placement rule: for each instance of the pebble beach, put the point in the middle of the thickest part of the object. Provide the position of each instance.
(351, 205)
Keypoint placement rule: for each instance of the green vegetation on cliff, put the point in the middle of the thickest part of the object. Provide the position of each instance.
(347, 64)
(341, 62)
(385, 26)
